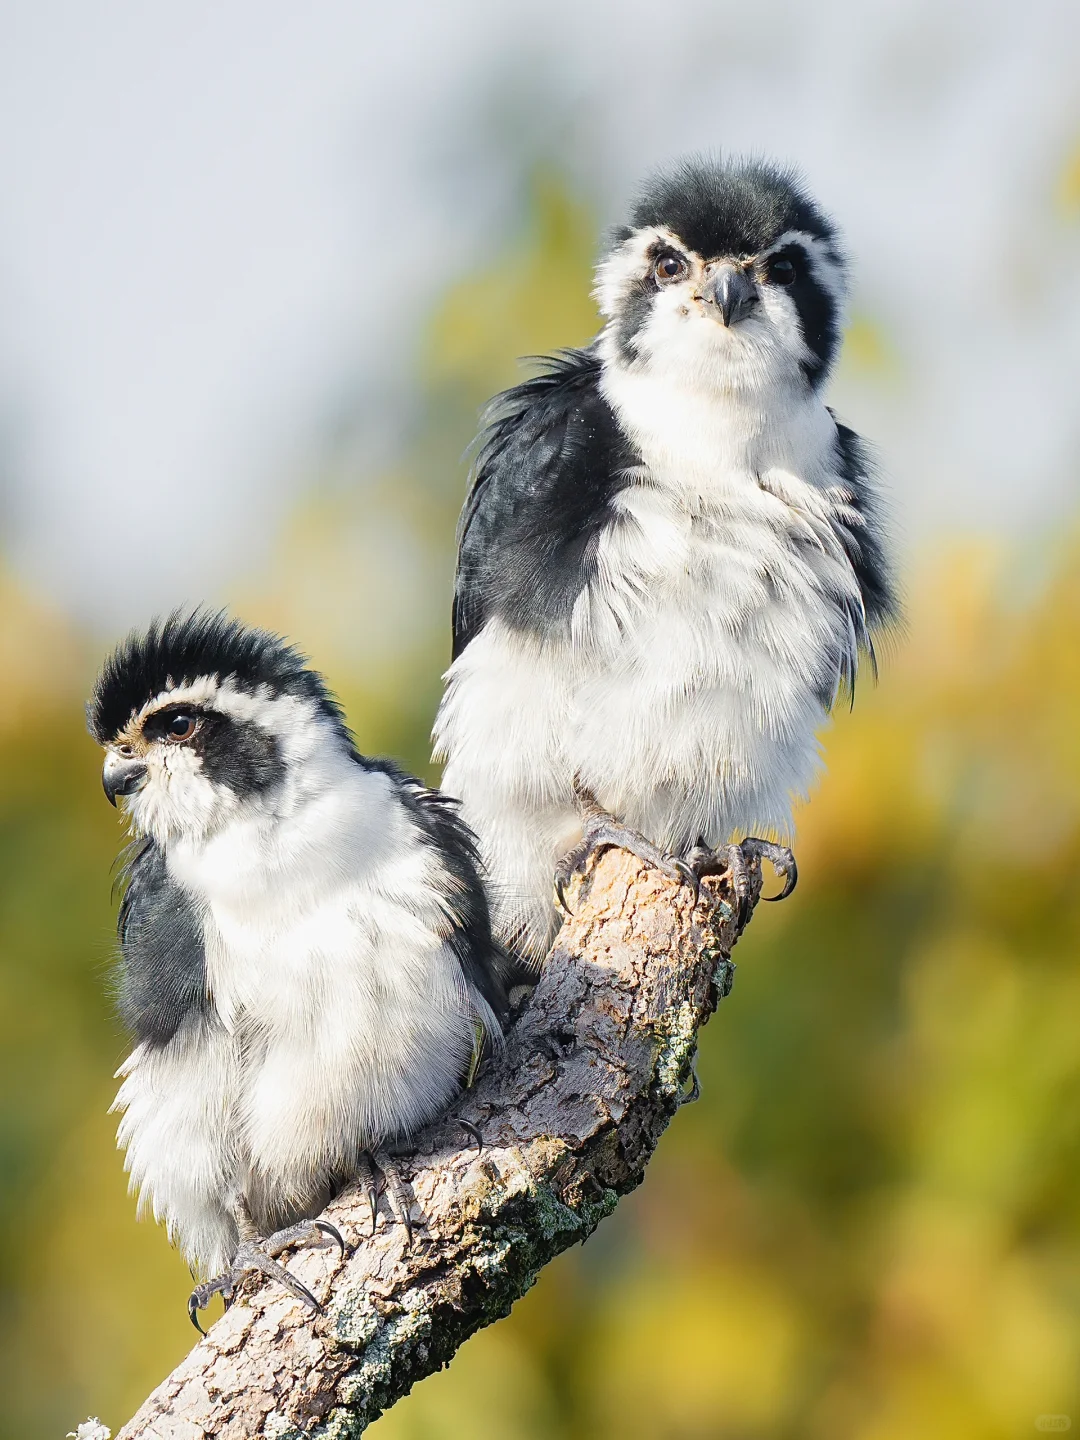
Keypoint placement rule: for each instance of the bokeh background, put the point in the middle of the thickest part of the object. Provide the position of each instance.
(259, 265)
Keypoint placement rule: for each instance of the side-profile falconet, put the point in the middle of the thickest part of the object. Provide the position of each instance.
(306, 955)
(671, 558)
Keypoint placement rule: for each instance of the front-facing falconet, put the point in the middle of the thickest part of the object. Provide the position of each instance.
(670, 559)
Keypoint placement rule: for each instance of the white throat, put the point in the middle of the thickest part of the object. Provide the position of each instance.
(701, 435)
(337, 821)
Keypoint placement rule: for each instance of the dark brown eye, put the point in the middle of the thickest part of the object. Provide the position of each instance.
(180, 727)
(781, 272)
(670, 267)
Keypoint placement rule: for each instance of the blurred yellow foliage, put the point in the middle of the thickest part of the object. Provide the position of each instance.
(869, 1226)
(520, 305)
(38, 655)
(867, 349)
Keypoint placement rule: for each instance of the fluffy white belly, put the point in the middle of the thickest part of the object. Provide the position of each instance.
(699, 667)
(708, 650)
(329, 1037)
(356, 1027)
(348, 1012)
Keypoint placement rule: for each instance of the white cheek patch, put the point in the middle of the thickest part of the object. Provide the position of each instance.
(178, 798)
(781, 314)
(626, 267)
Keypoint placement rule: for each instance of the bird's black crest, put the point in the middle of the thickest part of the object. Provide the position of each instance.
(727, 207)
(186, 645)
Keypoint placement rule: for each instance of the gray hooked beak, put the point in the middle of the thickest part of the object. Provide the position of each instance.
(730, 294)
(121, 775)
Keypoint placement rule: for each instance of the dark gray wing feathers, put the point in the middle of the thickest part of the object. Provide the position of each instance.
(162, 973)
(551, 457)
(865, 547)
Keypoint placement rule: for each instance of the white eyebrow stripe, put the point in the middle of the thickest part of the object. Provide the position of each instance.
(260, 705)
(202, 691)
(802, 238)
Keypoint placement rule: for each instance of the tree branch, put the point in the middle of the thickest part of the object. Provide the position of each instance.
(594, 1069)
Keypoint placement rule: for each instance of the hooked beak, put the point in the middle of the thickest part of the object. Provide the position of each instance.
(729, 294)
(121, 775)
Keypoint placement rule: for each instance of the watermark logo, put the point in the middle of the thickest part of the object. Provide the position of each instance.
(1053, 1424)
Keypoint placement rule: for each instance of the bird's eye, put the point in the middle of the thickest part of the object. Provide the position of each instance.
(781, 271)
(670, 267)
(180, 727)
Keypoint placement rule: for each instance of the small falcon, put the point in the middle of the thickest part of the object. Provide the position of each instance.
(670, 560)
(306, 955)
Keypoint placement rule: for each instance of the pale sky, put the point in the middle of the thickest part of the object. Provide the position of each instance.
(214, 218)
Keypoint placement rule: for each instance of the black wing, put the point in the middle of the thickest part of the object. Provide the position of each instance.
(162, 975)
(865, 545)
(551, 458)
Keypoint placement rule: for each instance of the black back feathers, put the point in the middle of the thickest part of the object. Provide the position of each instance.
(162, 974)
(552, 457)
(728, 208)
(866, 548)
(185, 646)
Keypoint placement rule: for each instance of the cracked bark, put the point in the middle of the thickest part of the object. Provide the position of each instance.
(594, 1069)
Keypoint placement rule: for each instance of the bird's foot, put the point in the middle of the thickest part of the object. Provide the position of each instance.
(602, 832)
(257, 1257)
(376, 1165)
(738, 862)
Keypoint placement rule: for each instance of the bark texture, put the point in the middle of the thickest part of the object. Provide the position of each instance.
(595, 1067)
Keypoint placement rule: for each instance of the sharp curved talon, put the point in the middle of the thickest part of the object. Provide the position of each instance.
(333, 1232)
(690, 877)
(561, 882)
(781, 896)
(369, 1188)
(193, 1308)
(791, 879)
(303, 1293)
(472, 1131)
(395, 1189)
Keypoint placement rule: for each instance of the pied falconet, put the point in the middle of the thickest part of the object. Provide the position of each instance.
(306, 956)
(671, 557)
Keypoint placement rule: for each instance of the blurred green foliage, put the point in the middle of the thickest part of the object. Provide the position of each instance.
(868, 1227)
